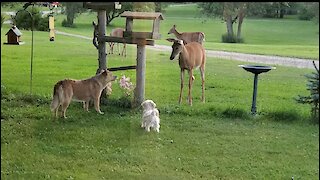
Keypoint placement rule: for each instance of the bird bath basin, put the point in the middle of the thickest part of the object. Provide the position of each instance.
(256, 70)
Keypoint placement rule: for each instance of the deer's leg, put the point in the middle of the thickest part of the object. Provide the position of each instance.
(191, 78)
(202, 79)
(124, 50)
(118, 48)
(111, 47)
(181, 87)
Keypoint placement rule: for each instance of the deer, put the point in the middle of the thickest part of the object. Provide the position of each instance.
(191, 56)
(187, 37)
(118, 32)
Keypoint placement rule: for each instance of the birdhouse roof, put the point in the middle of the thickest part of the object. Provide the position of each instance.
(15, 30)
(142, 15)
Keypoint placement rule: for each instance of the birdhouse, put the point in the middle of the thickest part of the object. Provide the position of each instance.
(154, 34)
(13, 36)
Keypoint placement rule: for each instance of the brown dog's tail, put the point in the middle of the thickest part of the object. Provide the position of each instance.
(57, 92)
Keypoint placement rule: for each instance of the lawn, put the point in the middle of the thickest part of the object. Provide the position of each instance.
(218, 139)
(262, 36)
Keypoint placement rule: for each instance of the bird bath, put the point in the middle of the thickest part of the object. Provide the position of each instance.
(256, 70)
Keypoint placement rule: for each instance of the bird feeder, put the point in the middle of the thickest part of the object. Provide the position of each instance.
(51, 27)
(141, 39)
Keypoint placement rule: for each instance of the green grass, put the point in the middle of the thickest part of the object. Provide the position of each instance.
(215, 140)
(282, 37)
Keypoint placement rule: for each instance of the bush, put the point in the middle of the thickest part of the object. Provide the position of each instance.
(305, 14)
(226, 38)
(2, 19)
(23, 20)
(313, 99)
(65, 23)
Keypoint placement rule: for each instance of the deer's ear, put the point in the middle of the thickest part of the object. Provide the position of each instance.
(170, 39)
(93, 23)
(174, 26)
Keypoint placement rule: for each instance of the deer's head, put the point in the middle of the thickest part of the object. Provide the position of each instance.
(176, 47)
(173, 29)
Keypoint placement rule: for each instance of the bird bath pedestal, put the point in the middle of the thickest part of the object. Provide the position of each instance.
(256, 70)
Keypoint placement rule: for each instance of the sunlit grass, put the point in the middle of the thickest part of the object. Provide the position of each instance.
(215, 140)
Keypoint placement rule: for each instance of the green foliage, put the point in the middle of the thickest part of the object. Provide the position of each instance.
(313, 98)
(226, 38)
(23, 20)
(72, 10)
(65, 23)
(2, 19)
(305, 14)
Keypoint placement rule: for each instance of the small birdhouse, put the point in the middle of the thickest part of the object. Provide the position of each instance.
(13, 36)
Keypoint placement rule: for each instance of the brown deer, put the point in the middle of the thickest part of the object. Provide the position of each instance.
(117, 32)
(191, 56)
(187, 37)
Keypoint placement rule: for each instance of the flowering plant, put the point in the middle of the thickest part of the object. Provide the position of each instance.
(126, 85)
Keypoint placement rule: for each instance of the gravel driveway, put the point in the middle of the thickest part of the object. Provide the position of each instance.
(251, 58)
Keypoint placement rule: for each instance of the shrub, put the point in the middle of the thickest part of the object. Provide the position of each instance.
(226, 38)
(313, 99)
(2, 19)
(23, 20)
(305, 14)
(65, 23)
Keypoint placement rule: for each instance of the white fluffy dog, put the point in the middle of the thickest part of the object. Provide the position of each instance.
(150, 116)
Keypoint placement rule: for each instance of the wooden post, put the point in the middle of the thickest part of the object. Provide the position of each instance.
(102, 44)
(140, 75)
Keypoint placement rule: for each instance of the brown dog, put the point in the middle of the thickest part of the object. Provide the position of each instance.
(80, 90)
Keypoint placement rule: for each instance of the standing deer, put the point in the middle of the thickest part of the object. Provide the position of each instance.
(191, 56)
(187, 37)
(117, 32)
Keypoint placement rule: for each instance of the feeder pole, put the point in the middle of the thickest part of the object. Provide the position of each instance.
(102, 44)
(140, 74)
(254, 97)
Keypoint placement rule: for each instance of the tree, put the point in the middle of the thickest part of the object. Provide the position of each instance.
(268, 9)
(230, 12)
(313, 98)
(112, 13)
(72, 9)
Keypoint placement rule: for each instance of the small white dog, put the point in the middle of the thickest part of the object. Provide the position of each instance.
(150, 116)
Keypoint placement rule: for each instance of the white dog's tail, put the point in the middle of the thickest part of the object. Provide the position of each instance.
(57, 95)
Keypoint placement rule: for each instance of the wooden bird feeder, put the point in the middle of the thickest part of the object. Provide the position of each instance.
(129, 37)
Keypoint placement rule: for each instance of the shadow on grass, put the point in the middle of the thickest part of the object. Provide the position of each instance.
(283, 116)
(235, 113)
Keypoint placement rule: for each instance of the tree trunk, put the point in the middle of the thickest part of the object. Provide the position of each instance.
(229, 26)
(70, 18)
(241, 15)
